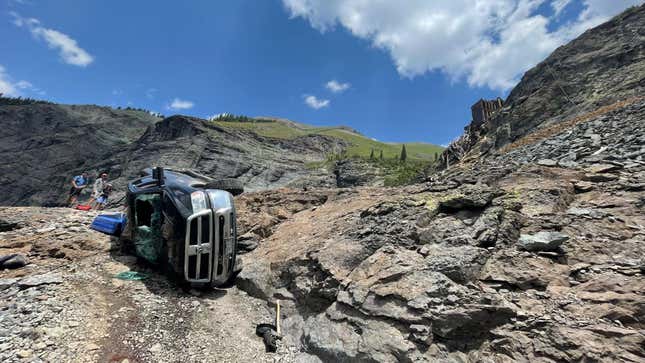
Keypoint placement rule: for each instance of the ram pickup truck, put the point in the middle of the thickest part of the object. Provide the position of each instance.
(186, 222)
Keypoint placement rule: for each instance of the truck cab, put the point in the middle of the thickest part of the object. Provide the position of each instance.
(180, 220)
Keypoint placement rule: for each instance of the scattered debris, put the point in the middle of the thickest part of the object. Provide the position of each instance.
(131, 276)
(270, 336)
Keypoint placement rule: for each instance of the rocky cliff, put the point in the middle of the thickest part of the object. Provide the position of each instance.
(603, 66)
(45, 144)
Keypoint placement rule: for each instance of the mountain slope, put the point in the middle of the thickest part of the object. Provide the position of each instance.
(358, 145)
(42, 144)
(45, 144)
(602, 66)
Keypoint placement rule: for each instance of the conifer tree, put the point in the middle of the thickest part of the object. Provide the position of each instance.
(404, 153)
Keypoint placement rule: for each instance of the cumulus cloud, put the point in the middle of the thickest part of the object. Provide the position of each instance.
(10, 88)
(315, 102)
(7, 88)
(337, 87)
(68, 49)
(179, 104)
(486, 42)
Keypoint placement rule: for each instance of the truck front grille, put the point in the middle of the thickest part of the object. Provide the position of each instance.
(224, 244)
(198, 247)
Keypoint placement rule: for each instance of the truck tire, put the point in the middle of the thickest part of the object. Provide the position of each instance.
(232, 186)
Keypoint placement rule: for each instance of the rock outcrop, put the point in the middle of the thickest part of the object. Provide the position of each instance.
(45, 144)
(603, 66)
(530, 249)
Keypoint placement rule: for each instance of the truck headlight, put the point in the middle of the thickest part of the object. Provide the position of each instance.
(198, 200)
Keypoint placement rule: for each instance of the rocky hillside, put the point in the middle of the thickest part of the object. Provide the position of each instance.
(533, 252)
(45, 144)
(603, 66)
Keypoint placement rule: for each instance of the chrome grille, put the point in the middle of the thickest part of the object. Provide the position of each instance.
(224, 245)
(198, 247)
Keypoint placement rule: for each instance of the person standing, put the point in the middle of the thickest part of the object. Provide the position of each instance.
(102, 200)
(79, 183)
(97, 189)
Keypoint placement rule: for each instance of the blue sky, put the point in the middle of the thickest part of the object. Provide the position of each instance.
(396, 71)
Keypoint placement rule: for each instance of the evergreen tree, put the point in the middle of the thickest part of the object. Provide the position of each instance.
(381, 157)
(404, 153)
(372, 155)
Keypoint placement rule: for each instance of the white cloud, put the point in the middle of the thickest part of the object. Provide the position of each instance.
(68, 49)
(559, 5)
(117, 92)
(486, 42)
(7, 88)
(179, 104)
(24, 85)
(315, 102)
(14, 89)
(337, 87)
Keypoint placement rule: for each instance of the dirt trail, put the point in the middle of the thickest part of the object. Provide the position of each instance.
(91, 316)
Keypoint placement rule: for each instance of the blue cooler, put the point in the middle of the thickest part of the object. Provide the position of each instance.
(111, 223)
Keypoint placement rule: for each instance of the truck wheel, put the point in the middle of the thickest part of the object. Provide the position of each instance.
(232, 186)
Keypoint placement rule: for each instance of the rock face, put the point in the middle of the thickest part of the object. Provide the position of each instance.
(416, 274)
(533, 252)
(601, 67)
(46, 144)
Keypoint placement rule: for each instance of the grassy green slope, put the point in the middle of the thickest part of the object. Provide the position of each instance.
(359, 145)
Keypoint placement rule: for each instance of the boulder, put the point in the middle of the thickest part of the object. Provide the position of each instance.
(602, 168)
(547, 162)
(542, 241)
(600, 177)
(13, 261)
(468, 197)
(37, 280)
(257, 280)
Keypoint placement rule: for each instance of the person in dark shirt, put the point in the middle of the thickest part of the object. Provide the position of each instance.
(79, 183)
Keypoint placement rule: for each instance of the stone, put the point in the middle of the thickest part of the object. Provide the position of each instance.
(602, 168)
(256, 280)
(24, 354)
(468, 197)
(600, 177)
(582, 186)
(421, 333)
(585, 212)
(7, 283)
(547, 162)
(44, 279)
(13, 261)
(542, 241)
(156, 348)
(7, 226)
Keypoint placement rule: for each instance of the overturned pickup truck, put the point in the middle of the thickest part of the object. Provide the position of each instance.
(184, 221)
